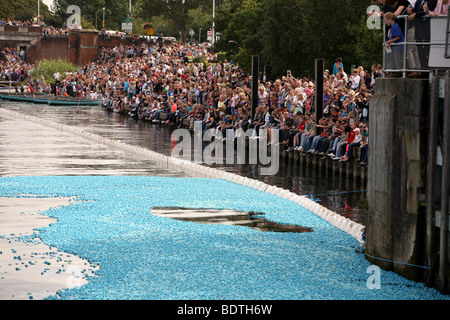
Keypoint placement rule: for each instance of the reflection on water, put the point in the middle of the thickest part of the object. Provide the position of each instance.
(227, 217)
(29, 149)
(344, 196)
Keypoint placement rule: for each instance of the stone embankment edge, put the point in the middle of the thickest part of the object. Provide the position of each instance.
(352, 228)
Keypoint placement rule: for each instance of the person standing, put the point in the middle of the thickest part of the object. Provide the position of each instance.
(355, 80)
(57, 77)
(338, 64)
(441, 9)
(395, 36)
(414, 12)
(432, 4)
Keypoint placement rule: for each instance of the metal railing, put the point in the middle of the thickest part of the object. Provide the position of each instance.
(425, 46)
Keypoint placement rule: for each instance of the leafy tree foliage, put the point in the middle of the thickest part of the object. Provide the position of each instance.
(24, 10)
(283, 36)
(177, 11)
(91, 11)
(291, 34)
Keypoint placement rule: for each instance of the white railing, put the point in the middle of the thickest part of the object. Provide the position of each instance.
(425, 47)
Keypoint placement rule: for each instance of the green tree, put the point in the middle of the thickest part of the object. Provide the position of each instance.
(369, 44)
(176, 11)
(24, 10)
(291, 34)
(161, 25)
(228, 43)
(244, 31)
(199, 18)
(6, 12)
(91, 12)
(116, 11)
(283, 38)
(330, 30)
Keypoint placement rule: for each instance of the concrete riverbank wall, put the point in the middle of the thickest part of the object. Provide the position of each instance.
(53, 47)
(396, 234)
(79, 46)
(18, 36)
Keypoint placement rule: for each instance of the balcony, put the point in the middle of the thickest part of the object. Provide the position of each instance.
(426, 47)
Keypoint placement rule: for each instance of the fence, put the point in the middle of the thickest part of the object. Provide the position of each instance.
(425, 46)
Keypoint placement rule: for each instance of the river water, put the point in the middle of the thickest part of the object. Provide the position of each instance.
(66, 155)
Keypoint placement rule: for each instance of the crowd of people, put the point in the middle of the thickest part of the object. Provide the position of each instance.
(52, 31)
(30, 22)
(151, 78)
(405, 26)
(148, 79)
(12, 65)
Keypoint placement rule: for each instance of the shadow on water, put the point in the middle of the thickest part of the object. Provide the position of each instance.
(344, 196)
(227, 217)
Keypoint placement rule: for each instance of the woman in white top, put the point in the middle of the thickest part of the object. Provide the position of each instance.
(338, 82)
(262, 96)
(298, 100)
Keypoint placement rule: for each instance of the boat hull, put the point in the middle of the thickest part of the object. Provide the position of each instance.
(49, 99)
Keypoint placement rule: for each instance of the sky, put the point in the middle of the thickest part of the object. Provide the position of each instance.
(48, 3)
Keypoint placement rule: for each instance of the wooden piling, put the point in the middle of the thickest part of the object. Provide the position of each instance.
(445, 194)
